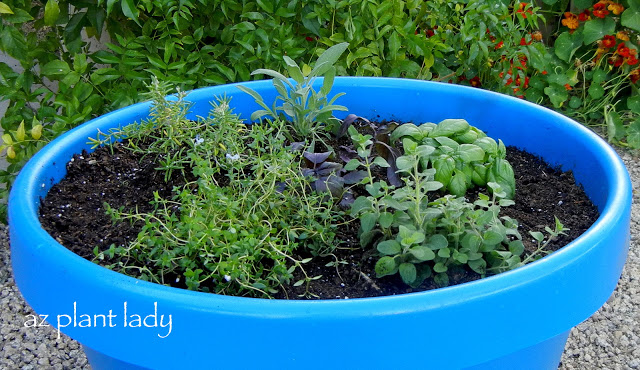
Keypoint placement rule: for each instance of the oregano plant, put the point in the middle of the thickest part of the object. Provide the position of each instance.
(419, 238)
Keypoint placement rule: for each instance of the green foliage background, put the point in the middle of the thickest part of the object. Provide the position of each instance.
(195, 43)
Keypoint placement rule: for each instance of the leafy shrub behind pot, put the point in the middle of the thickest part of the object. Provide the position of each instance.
(195, 44)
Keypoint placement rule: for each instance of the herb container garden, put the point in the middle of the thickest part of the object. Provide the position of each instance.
(517, 319)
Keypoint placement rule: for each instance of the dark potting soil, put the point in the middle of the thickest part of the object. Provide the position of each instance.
(74, 214)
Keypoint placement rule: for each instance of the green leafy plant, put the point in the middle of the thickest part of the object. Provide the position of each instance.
(236, 233)
(46, 82)
(308, 109)
(419, 238)
(552, 234)
(457, 233)
(463, 155)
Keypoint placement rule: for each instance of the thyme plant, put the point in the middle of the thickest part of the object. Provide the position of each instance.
(243, 216)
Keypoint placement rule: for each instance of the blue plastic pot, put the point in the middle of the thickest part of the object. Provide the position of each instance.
(516, 320)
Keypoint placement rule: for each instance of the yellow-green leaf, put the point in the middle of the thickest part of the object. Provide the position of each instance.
(20, 131)
(306, 69)
(36, 132)
(429, 60)
(7, 139)
(11, 153)
(51, 12)
(4, 9)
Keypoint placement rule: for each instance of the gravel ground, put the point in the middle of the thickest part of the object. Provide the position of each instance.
(29, 348)
(610, 339)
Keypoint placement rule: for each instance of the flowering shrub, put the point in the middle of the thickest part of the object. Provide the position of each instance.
(593, 72)
(489, 43)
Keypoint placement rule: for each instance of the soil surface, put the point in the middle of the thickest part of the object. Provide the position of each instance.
(74, 214)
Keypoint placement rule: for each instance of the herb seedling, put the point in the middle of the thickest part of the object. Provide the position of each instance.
(308, 109)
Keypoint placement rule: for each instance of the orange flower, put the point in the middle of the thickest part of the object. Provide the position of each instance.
(570, 21)
(622, 35)
(584, 16)
(599, 9)
(499, 45)
(599, 53)
(521, 10)
(616, 60)
(475, 82)
(523, 60)
(568, 87)
(544, 72)
(635, 75)
(537, 35)
(623, 50)
(608, 42)
(631, 59)
(616, 8)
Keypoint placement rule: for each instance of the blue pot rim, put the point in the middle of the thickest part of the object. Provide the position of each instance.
(23, 211)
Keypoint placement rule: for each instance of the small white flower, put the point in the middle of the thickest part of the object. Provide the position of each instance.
(227, 278)
(198, 140)
(234, 157)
